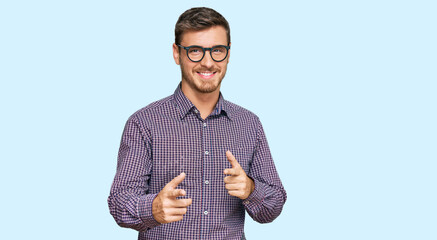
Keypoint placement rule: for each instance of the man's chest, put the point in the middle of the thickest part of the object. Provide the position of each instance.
(198, 148)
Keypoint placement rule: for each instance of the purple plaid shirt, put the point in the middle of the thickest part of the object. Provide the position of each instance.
(169, 137)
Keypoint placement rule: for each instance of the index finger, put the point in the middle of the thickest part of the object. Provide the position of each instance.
(232, 160)
(175, 181)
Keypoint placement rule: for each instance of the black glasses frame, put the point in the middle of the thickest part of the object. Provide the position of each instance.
(206, 49)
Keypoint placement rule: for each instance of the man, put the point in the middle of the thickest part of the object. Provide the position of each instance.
(191, 164)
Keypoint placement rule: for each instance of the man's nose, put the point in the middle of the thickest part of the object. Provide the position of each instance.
(207, 60)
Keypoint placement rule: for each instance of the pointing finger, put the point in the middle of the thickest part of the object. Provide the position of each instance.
(232, 160)
(175, 182)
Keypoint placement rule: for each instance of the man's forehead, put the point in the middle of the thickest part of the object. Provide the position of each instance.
(206, 37)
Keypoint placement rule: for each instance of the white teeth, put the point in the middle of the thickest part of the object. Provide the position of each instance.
(206, 74)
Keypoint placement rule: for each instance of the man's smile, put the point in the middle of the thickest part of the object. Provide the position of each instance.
(206, 75)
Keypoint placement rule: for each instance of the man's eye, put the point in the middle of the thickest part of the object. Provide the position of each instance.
(219, 50)
(195, 50)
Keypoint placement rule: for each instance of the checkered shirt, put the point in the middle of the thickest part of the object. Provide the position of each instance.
(169, 137)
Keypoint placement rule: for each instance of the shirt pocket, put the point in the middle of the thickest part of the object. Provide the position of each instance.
(168, 162)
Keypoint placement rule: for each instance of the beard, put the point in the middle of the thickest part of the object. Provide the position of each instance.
(199, 85)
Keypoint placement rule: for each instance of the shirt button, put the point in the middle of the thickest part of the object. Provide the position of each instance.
(206, 152)
(204, 124)
(206, 182)
(195, 110)
(206, 212)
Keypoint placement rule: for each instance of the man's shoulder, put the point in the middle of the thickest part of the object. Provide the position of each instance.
(153, 108)
(240, 112)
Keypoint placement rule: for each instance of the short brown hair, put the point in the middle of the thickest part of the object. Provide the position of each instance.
(200, 18)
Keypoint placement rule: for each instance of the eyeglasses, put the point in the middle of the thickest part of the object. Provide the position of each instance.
(196, 53)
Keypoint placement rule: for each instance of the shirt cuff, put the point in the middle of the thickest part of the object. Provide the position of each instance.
(145, 210)
(256, 198)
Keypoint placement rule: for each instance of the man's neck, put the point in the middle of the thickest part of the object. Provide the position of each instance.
(204, 102)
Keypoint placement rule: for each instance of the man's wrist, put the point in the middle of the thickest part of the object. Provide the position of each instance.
(145, 209)
(251, 186)
(256, 198)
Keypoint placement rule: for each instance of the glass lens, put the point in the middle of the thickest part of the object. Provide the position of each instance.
(195, 53)
(219, 53)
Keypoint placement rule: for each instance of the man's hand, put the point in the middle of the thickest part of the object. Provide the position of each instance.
(165, 207)
(237, 183)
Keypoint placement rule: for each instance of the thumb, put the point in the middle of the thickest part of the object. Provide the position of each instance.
(175, 181)
(232, 160)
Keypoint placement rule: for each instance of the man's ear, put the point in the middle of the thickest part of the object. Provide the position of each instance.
(176, 53)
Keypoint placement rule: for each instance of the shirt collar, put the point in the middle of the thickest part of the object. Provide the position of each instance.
(185, 105)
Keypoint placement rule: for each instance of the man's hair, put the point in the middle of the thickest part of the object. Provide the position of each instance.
(197, 19)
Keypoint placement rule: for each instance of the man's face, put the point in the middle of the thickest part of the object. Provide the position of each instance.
(204, 76)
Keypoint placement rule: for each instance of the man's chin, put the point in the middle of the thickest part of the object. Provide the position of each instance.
(207, 86)
(207, 89)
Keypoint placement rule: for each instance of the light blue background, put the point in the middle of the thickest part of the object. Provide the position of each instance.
(346, 91)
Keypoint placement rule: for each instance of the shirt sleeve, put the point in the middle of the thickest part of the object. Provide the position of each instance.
(129, 201)
(268, 198)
